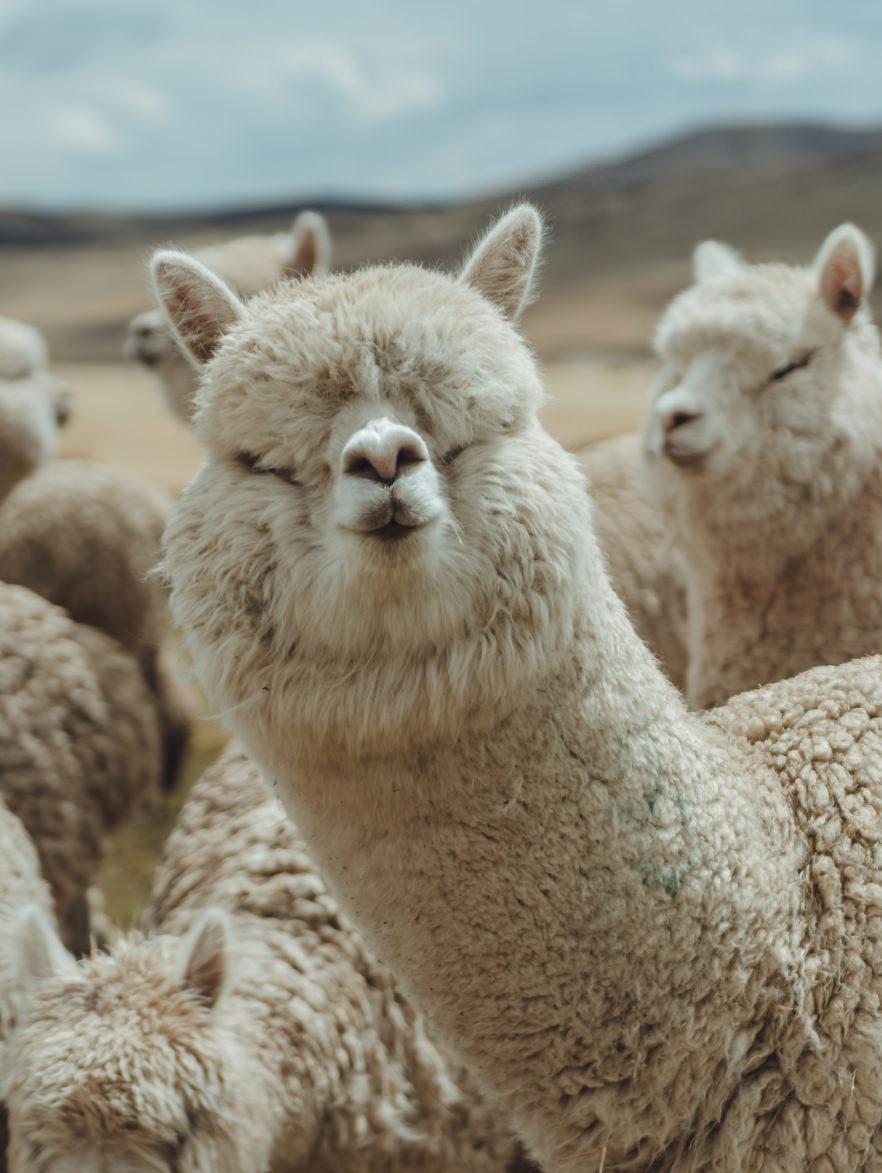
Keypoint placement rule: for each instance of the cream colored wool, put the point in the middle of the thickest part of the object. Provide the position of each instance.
(21, 886)
(248, 264)
(764, 451)
(623, 916)
(299, 1052)
(86, 536)
(79, 743)
(644, 566)
(33, 403)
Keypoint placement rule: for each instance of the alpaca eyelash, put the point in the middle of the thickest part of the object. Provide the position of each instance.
(782, 372)
(251, 463)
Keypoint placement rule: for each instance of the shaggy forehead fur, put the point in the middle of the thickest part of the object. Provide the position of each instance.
(153, 1051)
(762, 309)
(414, 339)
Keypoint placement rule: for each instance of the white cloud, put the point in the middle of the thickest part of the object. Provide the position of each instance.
(84, 131)
(795, 59)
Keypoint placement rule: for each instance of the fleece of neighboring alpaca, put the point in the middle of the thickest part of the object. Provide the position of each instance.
(643, 563)
(247, 264)
(764, 452)
(85, 536)
(250, 1032)
(654, 935)
(79, 743)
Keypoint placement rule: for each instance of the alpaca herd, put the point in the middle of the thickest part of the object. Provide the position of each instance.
(551, 833)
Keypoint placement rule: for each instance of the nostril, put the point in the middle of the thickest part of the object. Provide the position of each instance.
(383, 455)
(677, 419)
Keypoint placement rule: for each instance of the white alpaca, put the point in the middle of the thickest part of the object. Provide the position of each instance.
(250, 1032)
(764, 450)
(33, 403)
(85, 536)
(652, 934)
(644, 563)
(79, 743)
(247, 264)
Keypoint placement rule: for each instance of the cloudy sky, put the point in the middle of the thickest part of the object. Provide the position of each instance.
(160, 104)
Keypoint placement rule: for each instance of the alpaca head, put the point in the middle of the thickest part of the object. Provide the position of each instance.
(376, 487)
(119, 1062)
(760, 365)
(33, 403)
(248, 264)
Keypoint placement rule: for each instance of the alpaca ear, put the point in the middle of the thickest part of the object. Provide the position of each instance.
(503, 264)
(41, 952)
(713, 259)
(845, 267)
(199, 306)
(205, 959)
(310, 246)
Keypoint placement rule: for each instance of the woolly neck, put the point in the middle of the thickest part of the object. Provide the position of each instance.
(569, 882)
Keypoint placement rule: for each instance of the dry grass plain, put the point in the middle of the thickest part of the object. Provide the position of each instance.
(121, 420)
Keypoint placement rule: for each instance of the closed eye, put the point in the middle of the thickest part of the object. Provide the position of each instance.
(783, 371)
(251, 463)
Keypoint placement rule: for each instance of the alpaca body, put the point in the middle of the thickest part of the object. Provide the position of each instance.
(387, 578)
(644, 565)
(763, 446)
(79, 742)
(308, 1057)
(85, 536)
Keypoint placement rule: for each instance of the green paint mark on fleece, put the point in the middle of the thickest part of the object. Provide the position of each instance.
(671, 880)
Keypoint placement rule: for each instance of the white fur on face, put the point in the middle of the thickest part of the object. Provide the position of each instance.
(747, 386)
(286, 551)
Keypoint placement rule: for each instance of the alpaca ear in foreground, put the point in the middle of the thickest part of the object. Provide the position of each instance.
(204, 962)
(845, 267)
(41, 952)
(199, 306)
(713, 259)
(310, 246)
(503, 264)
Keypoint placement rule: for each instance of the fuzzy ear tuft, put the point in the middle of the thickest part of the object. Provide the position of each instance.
(41, 952)
(310, 246)
(713, 259)
(198, 304)
(205, 958)
(845, 267)
(503, 264)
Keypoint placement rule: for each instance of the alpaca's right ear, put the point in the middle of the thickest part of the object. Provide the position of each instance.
(712, 259)
(503, 264)
(205, 960)
(41, 952)
(310, 246)
(844, 268)
(199, 306)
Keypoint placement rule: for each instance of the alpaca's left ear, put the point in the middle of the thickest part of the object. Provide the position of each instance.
(713, 259)
(310, 246)
(199, 306)
(845, 267)
(503, 264)
(204, 961)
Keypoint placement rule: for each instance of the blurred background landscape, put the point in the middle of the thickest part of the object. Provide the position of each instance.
(638, 129)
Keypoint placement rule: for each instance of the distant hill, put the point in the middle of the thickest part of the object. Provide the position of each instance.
(621, 234)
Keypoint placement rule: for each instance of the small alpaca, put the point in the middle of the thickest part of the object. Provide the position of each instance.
(764, 452)
(85, 536)
(248, 264)
(652, 934)
(33, 403)
(249, 1032)
(79, 743)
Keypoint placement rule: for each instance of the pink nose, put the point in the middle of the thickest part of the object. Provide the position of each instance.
(382, 451)
(677, 419)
